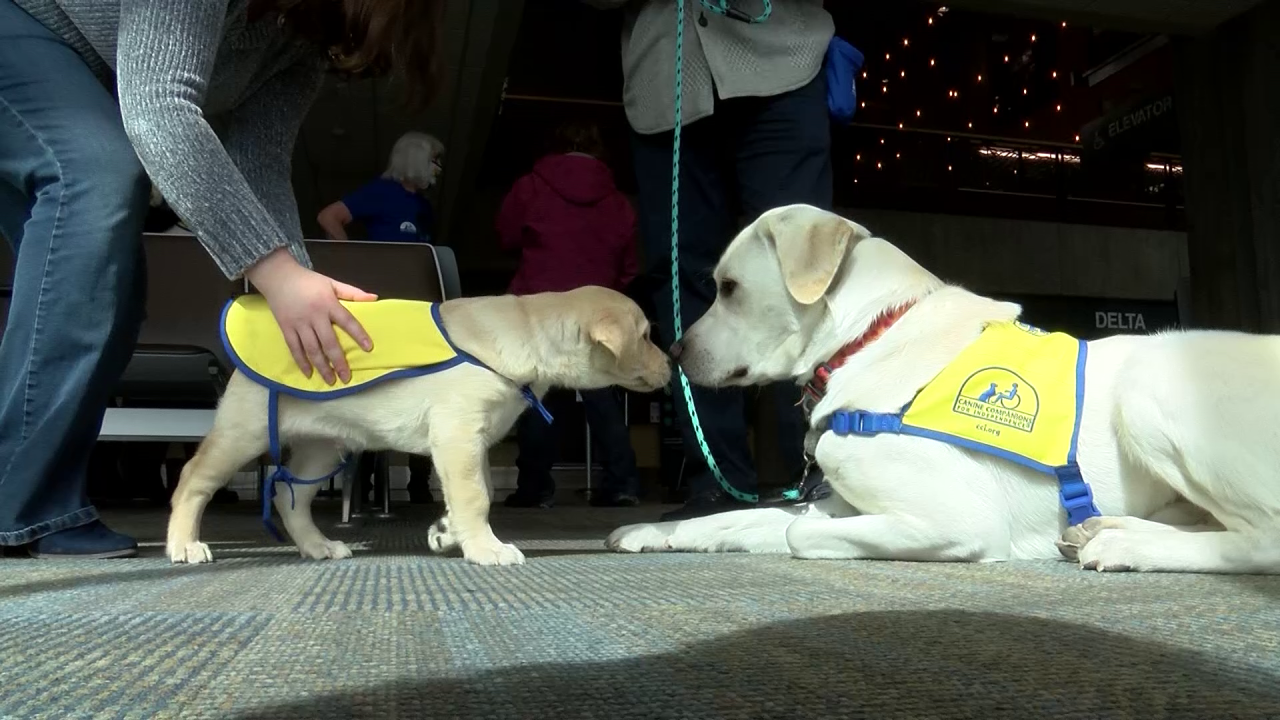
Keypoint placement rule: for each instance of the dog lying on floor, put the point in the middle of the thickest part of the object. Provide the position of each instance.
(961, 435)
(479, 363)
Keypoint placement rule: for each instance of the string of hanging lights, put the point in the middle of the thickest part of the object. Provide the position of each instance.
(1028, 70)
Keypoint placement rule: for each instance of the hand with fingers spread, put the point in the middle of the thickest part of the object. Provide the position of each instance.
(305, 304)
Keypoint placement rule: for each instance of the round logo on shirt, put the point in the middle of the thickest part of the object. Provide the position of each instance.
(408, 227)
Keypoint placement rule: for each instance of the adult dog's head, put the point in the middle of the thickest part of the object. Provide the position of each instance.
(792, 288)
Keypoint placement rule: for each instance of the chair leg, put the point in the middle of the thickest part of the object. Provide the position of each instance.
(357, 493)
(348, 495)
(262, 478)
(382, 487)
(587, 427)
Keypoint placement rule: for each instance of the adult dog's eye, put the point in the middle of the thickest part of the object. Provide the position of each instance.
(727, 287)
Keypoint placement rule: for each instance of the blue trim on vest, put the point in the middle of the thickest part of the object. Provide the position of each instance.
(1081, 358)
(275, 389)
(1074, 494)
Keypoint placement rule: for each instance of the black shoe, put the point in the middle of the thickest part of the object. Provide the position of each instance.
(623, 500)
(421, 497)
(703, 504)
(92, 541)
(518, 500)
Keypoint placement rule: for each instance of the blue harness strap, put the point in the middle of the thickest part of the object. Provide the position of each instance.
(282, 474)
(531, 398)
(1074, 493)
(861, 422)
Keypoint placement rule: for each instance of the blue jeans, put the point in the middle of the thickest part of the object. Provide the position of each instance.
(73, 199)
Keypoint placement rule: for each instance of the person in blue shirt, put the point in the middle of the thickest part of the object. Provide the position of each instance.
(392, 208)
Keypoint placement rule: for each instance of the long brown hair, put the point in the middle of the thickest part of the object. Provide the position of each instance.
(366, 38)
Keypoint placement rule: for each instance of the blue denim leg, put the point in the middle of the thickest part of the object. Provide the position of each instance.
(73, 209)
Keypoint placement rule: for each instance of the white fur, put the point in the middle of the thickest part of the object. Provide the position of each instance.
(584, 339)
(1178, 438)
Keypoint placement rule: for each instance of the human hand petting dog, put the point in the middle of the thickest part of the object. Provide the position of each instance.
(305, 304)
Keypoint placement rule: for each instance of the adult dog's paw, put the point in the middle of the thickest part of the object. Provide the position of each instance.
(1113, 550)
(192, 553)
(1078, 536)
(493, 554)
(325, 550)
(645, 537)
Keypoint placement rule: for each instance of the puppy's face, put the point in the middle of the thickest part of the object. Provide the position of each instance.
(619, 349)
(769, 287)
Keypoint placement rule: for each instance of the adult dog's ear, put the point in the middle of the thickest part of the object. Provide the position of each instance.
(811, 245)
(608, 329)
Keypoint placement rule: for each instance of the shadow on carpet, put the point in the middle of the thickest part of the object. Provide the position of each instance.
(943, 664)
(395, 632)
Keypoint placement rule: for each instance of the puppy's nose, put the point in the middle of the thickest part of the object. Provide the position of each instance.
(676, 349)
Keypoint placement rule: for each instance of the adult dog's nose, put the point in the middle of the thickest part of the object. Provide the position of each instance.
(676, 349)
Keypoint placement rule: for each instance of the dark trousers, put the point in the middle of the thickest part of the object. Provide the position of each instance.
(73, 201)
(751, 155)
(419, 472)
(538, 442)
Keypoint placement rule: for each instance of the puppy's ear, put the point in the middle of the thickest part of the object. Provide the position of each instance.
(608, 329)
(811, 245)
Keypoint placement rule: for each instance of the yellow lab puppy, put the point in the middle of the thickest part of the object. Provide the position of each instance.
(499, 355)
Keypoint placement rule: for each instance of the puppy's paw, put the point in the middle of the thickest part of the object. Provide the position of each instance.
(192, 553)
(324, 550)
(1114, 550)
(645, 537)
(493, 554)
(439, 537)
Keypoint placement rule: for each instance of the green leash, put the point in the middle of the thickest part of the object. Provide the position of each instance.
(721, 7)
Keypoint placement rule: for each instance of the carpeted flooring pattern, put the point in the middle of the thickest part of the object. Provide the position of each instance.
(579, 633)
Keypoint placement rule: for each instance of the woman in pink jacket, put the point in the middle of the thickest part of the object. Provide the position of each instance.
(572, 228)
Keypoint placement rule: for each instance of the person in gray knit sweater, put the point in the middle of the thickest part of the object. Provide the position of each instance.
(95, 97)
(755, 135)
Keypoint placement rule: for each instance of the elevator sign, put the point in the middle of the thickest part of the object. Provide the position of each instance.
(1148, 125)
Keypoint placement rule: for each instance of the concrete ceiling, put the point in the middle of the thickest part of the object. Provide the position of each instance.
(1175, 16)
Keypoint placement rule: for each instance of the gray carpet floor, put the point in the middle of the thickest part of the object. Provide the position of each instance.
(580, 633)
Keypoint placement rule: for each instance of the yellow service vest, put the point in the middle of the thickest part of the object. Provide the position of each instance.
(1017, 392)
(411, 340)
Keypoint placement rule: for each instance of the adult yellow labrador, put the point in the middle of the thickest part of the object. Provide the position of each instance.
(951, 432)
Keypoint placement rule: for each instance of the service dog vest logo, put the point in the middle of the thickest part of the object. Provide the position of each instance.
(1015, 391)
(1001, 396)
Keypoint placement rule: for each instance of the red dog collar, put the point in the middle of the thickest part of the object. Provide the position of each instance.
(816, 388)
